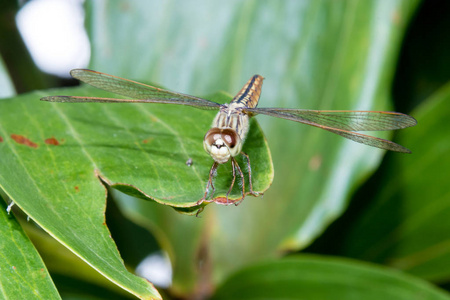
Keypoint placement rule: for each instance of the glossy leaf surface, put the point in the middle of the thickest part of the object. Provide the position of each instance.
(314, 55)
(23, 274)
(59, 152)
(6, 86)
(311, 277)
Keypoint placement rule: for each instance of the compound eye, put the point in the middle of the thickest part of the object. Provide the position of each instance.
(230, 137)
(212, 135)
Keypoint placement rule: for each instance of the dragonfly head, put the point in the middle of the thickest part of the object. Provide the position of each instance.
(222, 144)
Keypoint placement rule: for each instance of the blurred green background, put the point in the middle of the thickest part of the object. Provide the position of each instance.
(340, 221)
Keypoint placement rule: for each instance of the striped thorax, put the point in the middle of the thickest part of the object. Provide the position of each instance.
(230, 126)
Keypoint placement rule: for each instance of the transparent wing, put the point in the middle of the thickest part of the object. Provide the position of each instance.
(138, 91)
(369, 140)
(345, 122)
(352, 120)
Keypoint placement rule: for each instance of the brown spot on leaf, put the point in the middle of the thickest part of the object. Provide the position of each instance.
(52, 141)
(315, 162)
(396, 18)
(1, 139)
(146, 141)
(225, 201)
(20, 139)
(77, 188)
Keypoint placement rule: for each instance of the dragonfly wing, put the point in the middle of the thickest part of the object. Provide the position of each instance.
(138, 91)
(76, 99)
(342, 119)
(370, 140)
(346, 122)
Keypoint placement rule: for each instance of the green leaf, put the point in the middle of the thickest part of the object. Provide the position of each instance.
(51, 157)
(62, 263)
(408, 223)
(6, 86)
(60, 152)
(311, 277)
(313, 54)
(23, 274)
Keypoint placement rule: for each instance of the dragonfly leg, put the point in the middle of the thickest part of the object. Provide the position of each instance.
(210, 183)
(237, 202)
(199, 211)
(233, 166)
(250, 175)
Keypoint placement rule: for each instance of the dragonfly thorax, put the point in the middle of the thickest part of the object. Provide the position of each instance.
(222, 144)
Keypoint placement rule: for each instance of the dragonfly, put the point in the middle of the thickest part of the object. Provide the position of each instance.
(224, 141)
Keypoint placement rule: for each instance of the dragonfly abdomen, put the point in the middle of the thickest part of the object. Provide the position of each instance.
(248, 96)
